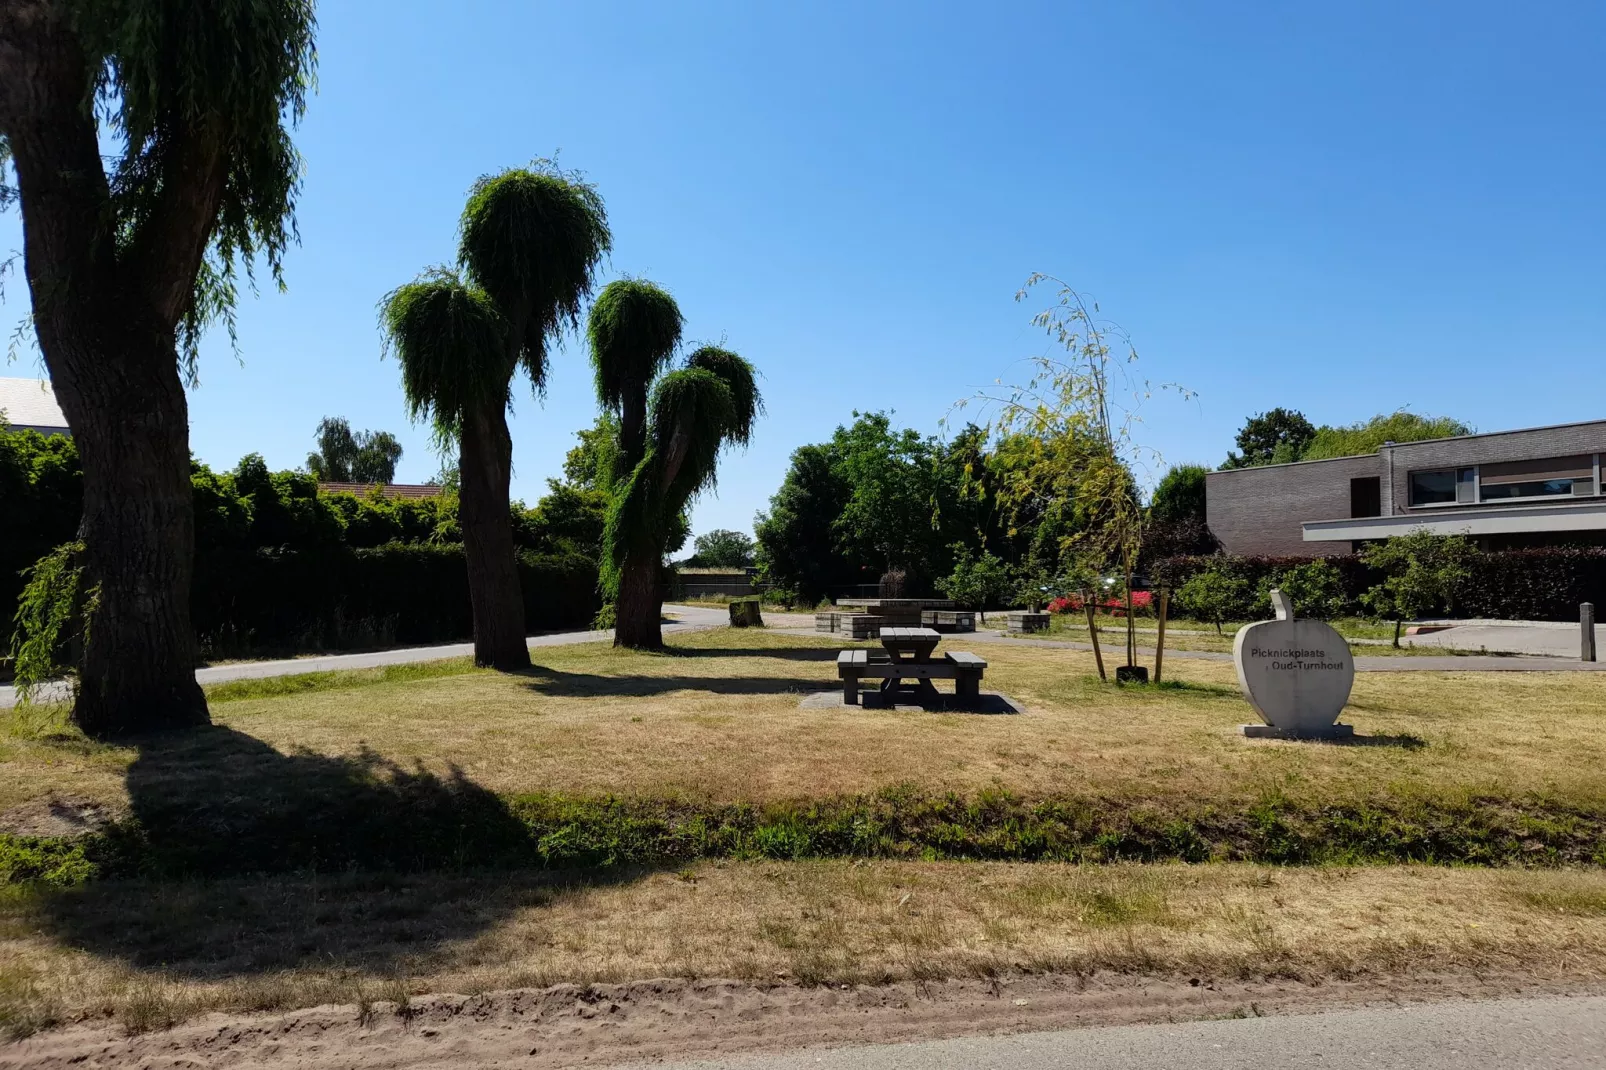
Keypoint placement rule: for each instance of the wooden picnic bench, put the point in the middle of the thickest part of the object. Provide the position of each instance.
(908, 656)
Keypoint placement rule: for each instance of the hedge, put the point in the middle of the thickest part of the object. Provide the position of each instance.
(403, 593)
(1541, 584)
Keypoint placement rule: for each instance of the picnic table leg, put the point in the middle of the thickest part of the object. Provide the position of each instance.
(850, 690)
(968, 686)
(927, 690)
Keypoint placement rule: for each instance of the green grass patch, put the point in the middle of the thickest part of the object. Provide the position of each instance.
(390, 820)
(337, 680)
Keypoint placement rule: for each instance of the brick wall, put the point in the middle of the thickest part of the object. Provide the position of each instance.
(1260, 510)
(1485, 449)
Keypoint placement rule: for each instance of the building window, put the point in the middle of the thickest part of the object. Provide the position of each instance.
(1444, 486)
(1551, 477)
(1539, 488)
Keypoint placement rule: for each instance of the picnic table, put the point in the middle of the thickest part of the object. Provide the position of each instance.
(907, 656)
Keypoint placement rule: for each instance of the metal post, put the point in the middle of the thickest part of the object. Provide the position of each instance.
(1586, 626)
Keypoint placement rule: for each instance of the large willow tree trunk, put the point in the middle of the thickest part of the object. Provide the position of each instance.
(638, 615)
(105, 310)
(130, 421)
(485, 470)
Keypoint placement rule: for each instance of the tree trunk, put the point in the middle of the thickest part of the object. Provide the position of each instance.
(108, 293)
(130, 421)
(638, 615)
(486, 465)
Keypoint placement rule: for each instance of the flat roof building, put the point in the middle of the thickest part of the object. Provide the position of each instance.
(1506, 489)
(30, 405)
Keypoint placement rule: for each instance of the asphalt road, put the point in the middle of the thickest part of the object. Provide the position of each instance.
(688, 618)
(1558, 1033)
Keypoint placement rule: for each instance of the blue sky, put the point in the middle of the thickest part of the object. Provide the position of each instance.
(1345, 209)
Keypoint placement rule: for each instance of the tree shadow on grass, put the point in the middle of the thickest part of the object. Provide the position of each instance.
(240, 860)
(556, 682)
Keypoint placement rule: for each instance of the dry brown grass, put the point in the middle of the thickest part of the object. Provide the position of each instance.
(154, 954)
(719, 720)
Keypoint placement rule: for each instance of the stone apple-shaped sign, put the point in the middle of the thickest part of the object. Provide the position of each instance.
(1297, 674)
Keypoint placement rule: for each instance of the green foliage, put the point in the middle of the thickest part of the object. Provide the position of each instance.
(54, 613)
(695, 413)
(1316, 588)
(981, 581)
(591, 464)
(1282, 436)
(1216, 596)
(874, 498)
(721, 548)
(1276, 437)
(1368, 436)
(281, 566)
(633, 329)
(338, 815)
(228, 73)
(797, 547)
(1180, 494)
(41, 495)
(532, 238)
(452, 345)
(1424, 574)
(344, 457)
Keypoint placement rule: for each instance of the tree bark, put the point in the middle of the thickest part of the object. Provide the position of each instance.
(486, 467)
(638, 620)
(105, 309)
(130, 421)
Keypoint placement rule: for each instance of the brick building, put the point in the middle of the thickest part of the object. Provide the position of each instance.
(1537, 487)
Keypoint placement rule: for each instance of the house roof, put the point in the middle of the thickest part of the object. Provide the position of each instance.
(388, 490)
(31, 403)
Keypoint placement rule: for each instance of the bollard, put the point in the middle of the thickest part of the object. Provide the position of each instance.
(1586, 626)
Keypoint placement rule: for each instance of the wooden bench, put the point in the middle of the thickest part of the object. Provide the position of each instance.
(963, 668)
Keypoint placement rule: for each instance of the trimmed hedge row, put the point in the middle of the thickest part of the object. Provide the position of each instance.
(1541, 584)
(439, 826)
(338, 597)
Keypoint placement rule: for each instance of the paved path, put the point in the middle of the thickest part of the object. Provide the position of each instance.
(688, 619)
(1557, 1033)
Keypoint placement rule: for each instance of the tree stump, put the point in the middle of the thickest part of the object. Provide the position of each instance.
(745, 613)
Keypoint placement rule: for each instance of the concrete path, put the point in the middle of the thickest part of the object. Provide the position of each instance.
(1557, 1033)
(687, 619)
(1533, 637)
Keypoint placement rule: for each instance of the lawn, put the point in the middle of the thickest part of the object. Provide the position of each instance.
(718, 721)
(153, 954)
(352, 837)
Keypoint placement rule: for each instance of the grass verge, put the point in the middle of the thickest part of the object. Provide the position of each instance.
(151, 954)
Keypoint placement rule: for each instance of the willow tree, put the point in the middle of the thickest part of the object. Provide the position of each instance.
(152, 160)
(694, 413)
(633, 329)
(531, 241)
(1071, 435)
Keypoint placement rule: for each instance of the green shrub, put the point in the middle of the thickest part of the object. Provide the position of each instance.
(1216, 596)
(1316, 589)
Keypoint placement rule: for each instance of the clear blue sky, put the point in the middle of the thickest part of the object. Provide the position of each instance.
(1342, 208)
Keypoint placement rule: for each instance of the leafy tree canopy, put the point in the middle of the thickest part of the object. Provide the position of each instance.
(1180, 494)
(721, 548)
(1368, 436)
(1276, 437)
(345, 457)
(1282, 436)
